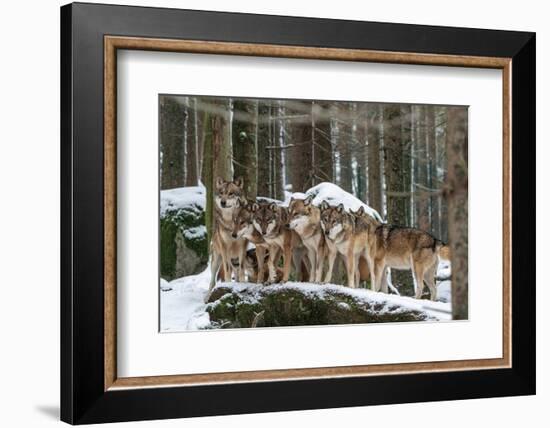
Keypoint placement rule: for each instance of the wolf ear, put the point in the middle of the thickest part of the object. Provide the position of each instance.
(361, 210)
(219, 182)
(340, 208)
(324, 205)
(308, 200)
(238, 182)
(254, 207)
(241, 202)
(273, 206)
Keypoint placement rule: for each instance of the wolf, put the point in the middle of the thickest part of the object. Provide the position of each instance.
(243, 228)
(404, 248)
(339, 229)
(226, 252)
(305, 219)
(270, 220)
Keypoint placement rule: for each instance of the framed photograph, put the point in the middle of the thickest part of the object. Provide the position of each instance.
(266, 213)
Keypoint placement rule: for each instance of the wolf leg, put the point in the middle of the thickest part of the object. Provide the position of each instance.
(418, 277)
(319, 265)
(331, 256)
(350, 269)
(312, 263)
(273, 257)
(214, 267)
(260, 258)
(370, 263)
(241, 272)
(378, 271)
(287, 259)
(429, 277)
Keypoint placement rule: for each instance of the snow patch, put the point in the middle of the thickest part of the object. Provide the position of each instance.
(195, 232)
(192, 198)
(334, 195)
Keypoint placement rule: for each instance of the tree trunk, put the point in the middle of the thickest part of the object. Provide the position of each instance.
(172, 142)
(263, 141)
(423, 200)
(361, 149)
(374, 135)
(279, 136)
(191, 145)
(216, 153)
(441, 171)
(432, 173)
(343, 147)
(299, 152)
(406, 178)
(201, 121)
(245, 152)
(322, 142)
(457, 197)
(393, 162)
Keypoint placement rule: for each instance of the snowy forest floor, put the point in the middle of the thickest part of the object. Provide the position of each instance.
(182, 306)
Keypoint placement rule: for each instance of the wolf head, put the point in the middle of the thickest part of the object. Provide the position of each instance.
(228, 192)
(302, 212)
(243, 219)
(266, 218)
(363, 221)
(333, 219)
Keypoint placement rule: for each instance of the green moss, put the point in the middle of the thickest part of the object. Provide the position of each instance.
(173, 239)
(281, 307)
(168, 232)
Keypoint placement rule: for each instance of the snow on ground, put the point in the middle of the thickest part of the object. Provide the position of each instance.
(193, 198)
(183, 309)
(182, 304)
(444, 284)
(334, 195)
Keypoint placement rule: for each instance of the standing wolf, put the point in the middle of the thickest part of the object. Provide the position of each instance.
(270, 221)
(305, 219)
(339, 227)
(226, 251)
(403, 248)
(344, 237)
(243, 228)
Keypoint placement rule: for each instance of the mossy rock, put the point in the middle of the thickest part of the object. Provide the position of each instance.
(183, 243)
(279, 306)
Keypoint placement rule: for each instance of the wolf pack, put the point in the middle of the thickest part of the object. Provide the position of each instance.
(263, 241)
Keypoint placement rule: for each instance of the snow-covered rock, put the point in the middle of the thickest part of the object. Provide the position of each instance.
(239, 305)
(183, 241)
(189, 198)
(235, 305)
(334, 195)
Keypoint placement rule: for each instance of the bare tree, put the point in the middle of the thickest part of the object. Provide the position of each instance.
(457, 198)
(299, 150)
(421, 182)
(216, 152)
(361, 150)
(191, 143)
(393, 163)
(245, 151)
(172, 142)
(263, 142)
(343, 146)
(374, 135)
(321, 142)
(432, 173)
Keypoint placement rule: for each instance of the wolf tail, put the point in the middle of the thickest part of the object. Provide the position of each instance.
(444, 251)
